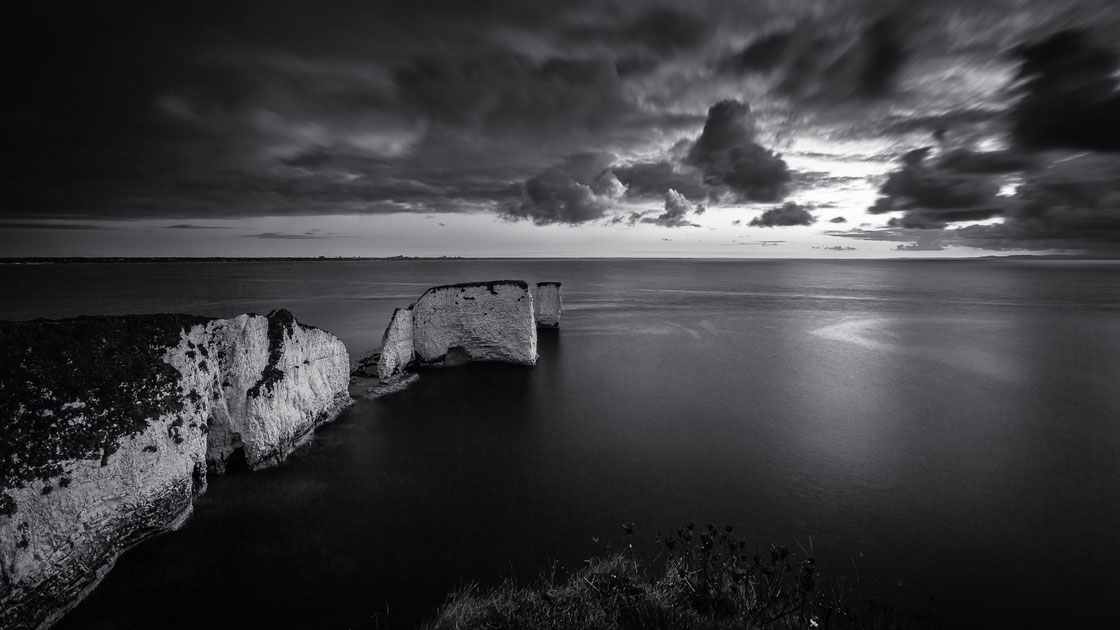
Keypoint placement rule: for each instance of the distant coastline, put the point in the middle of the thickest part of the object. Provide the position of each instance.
(196, 259)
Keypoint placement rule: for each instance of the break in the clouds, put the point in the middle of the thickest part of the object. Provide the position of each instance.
(576, 113)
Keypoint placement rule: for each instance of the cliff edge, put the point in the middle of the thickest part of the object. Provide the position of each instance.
(108, 426)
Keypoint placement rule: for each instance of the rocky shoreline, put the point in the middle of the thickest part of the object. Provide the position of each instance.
(109, 426)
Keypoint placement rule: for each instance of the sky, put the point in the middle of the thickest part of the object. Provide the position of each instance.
(781, 128)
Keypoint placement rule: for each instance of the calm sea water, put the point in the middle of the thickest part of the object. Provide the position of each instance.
(944, 428)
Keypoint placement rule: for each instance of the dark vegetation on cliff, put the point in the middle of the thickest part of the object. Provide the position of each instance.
(73, 388)
(703, 579)
(489, 285)
(280, 326)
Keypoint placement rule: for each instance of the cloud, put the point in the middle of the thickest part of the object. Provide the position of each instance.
(288, 236)
(505, 92)
(444, 106)
(654, 179)
(39, 225)
(727, 153)
(1072, 203)
(956, 186)
(856, 55)
(191, 226)
(578, 190)
(837, 220)
(1070, 92)
(647, 37)
(785, 215)
(926, 242)
(676, 211)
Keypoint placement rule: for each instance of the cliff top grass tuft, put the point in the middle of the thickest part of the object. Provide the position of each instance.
(703, 579)
(73, 388)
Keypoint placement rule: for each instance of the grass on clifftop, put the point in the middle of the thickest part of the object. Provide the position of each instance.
(703, 580)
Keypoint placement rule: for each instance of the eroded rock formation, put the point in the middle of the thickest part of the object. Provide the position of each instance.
(396, 346)
(476, 321)
(107, 425)
(547, 305)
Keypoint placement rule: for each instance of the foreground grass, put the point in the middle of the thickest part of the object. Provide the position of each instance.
(703, 580)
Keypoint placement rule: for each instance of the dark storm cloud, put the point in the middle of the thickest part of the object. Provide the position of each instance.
(727, 153)
(955, 186)
(153, 111)
(580, 189)
(1074, 203)
(659, 30)
(654, 179)
(783, 216)
(816, 61)
(506, 92)
(252, 108)
(962, 160)
(1069, 202)
(1070, 92)
(676, 212)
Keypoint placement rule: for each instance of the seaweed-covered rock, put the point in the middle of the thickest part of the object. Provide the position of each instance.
(106, 424)
(547, 305)
(479, 321)
(396, 346)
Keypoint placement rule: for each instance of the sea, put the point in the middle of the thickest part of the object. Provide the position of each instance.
(941, 435)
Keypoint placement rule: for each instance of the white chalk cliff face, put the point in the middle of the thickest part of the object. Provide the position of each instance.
(478, 321)
(548, 304)
(396, 346)
(279, 379)
(102, 475)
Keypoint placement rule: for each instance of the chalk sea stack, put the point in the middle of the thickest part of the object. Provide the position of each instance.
(396, 346)
(108, 426)
(547, 305)
(476, 321)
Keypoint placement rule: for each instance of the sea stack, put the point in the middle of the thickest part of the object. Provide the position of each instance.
(396, 346)
(548, 305)
(279, 379)
(108, 426)
(475, 321)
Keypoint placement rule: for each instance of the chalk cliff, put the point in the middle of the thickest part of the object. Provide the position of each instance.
(476, 321)
(279, 379)
(547, 305)
(107, 425)
(396, 346)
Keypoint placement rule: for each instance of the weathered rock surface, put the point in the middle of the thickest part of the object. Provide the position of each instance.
(477, 321)
(396, 346)
(107, 425)
(548, 304)
(279, 379)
